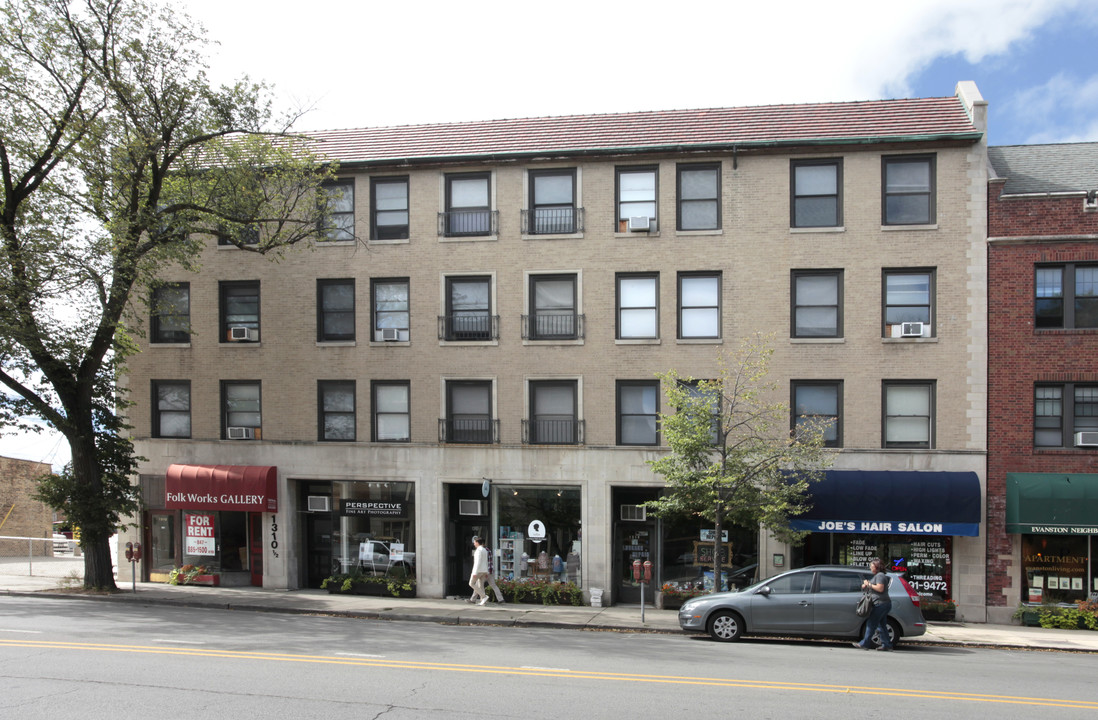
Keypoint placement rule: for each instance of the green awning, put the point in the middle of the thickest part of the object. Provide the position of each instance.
(1052, 503)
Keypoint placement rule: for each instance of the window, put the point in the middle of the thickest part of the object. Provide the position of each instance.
(231, 235)
(338, 222)
(636, 196)
(336, 405)
(335, 310)
(240, 311)
(389, 208)
(908, 414)
(1053, 403)
(390, 302)
(908, 182)
(240, 409)
(819, 401)
(552, 202)
(638, 412)
(552, 308)
(392, 411)
(468, 205)
(817, 303)
(699, 305)
(712, 395)
(171, 409)
(1067, 296)
(816, 189)
(908, 298)
(469, 412)
(553, 416)
(468, 309)
(638, 306)
(171, 313)
(699, 197)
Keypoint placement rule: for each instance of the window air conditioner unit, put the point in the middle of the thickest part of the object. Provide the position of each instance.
(912, 329)
(640, 224)
(634, 512)
(1086, 439)
(390, 334)
(471, 507)
(241, 433)
(240, 334)
(319, 503)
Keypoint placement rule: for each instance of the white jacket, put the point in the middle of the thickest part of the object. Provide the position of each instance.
(480, 561)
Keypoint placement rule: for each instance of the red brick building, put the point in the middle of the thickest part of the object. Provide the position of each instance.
(1042, 477)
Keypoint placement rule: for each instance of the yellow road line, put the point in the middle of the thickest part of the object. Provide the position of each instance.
(570, 674)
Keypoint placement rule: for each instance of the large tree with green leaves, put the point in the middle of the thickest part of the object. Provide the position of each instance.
(733, 458)
(117, 155)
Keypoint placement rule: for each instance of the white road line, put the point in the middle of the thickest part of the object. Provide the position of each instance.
(180, 642)
(546, 669)
(28, 632)
(359, 655)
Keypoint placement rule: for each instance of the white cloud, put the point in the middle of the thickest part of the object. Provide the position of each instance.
(1060, 110)
(46, 447)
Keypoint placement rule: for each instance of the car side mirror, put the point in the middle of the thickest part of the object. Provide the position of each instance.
(764, 590)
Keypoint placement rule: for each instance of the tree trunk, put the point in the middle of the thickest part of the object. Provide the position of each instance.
(95, 535)
(717, 585)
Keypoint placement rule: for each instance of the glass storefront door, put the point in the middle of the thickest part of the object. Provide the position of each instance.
(634, 541)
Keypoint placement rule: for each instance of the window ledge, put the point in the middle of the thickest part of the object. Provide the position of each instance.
(810, 230)
(335, 243)
(336, 343)
(468, 238)
(1065, 331)
(905, 341)
(390, 343)
(576, 341)
(638, 341)
(892, 228)
(169, 345)
(240, 344)
(635, 235)
(817, 341)
(699, 341)
(468, 343)
(547, 236)
(395, 241)
(698, 233)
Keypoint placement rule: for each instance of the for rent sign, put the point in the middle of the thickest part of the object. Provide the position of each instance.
(199, 538)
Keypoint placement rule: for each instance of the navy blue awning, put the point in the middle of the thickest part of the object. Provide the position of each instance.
(893, 502)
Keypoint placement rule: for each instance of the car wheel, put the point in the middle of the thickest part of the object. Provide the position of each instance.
(893, 634)
(725, 626)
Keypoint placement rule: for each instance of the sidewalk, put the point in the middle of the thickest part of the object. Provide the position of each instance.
(457, 612)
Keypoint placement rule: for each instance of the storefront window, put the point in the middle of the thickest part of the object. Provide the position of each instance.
(687, 560)
(374, 529)
(216, 540)
(557, 513)
(925, 561)
(1056, 569)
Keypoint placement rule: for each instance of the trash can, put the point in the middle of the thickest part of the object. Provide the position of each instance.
(596, 597)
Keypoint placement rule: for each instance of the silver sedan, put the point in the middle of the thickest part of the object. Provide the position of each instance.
(816, 601)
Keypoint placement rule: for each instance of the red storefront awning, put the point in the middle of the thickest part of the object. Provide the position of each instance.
(247, 488)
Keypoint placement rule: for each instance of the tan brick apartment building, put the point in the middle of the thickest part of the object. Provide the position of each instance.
(472, 348)
(1042, 520)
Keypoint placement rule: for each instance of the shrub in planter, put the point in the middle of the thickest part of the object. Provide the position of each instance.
(674, 597)
(546, 592)
(939, 609)
(397, 584)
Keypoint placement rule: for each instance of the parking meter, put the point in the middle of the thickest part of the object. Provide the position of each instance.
(647, 571)
(636, 571)
(137, 552)
(133, 554)
(129, 551)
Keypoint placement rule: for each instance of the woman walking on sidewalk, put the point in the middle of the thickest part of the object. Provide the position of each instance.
(480, 572)
(877, 587)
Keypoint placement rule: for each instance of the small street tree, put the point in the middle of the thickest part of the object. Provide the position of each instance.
(116, 153)
(734, 459)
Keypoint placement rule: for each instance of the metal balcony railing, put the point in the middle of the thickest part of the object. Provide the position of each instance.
(469, 327)
(481, 430)
(552, 221)
(552, 432)
(552, 326)
(468, 223)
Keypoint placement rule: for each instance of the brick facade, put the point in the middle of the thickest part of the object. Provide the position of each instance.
(20, 513)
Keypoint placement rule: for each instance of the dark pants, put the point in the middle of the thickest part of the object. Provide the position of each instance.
(878, 621)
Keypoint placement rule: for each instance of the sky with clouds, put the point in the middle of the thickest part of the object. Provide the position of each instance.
(359, 64)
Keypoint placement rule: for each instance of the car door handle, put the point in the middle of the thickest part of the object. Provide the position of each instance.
(805, 603)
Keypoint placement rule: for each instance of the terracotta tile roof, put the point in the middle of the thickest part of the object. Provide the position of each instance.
(746, 127)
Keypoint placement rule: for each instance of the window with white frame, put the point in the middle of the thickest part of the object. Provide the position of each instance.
(391, 305)
(637, 193)
(240, 407)
(908, 302)
(389, 208)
